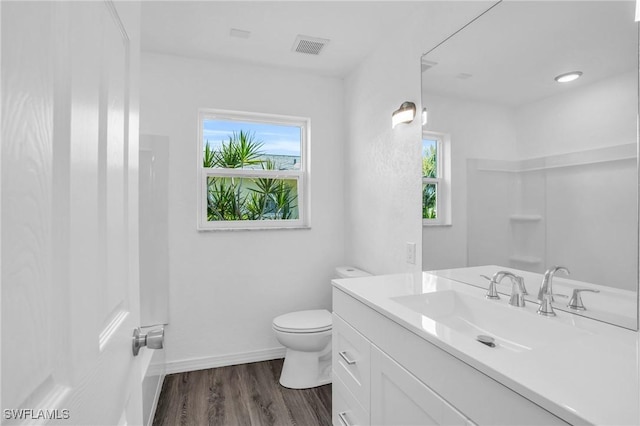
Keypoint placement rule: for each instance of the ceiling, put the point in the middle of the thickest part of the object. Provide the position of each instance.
(201, 29)
(540, 38)
(511, 54)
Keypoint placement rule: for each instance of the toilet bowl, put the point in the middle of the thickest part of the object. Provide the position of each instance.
(307, 337)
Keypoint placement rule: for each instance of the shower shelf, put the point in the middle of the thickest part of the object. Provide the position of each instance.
(531, 260)
(525, 218)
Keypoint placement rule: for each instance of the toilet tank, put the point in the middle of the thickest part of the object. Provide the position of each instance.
(350, 272)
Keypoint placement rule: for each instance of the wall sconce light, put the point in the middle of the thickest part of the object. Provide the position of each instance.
(405, 114)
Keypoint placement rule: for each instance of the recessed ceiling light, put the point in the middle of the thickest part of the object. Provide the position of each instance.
(567, 77)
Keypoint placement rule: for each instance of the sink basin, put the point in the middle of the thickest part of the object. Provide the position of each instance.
(515, 329)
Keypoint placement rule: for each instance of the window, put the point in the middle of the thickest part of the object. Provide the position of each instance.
(253, 171)
(436, 198)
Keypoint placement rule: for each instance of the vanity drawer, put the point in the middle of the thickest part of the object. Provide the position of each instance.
(346, 410)
(351, 360)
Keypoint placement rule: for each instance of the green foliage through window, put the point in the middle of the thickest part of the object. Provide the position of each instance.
(247, 198)
(429, 171)
(429, 161)
(429, 194)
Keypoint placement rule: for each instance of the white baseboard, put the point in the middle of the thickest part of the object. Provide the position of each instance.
(224, 360)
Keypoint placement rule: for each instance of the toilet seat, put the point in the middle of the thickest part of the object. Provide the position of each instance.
(312, 321)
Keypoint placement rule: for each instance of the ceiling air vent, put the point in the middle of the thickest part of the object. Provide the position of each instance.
(309, 45)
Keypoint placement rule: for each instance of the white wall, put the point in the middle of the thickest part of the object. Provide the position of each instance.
(153, 210)
(477, 130)
(598, 245)
(383, 166)
(587, 117)
(363, 212)
(226, 287)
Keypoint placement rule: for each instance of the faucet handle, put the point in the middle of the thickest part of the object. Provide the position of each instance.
(492, 293)
(576, 300)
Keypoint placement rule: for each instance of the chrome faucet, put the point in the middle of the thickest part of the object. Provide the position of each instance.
(545, 294)
(517, 290)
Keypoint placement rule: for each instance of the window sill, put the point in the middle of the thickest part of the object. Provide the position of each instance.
(429, 224)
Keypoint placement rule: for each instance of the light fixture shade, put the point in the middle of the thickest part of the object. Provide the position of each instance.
(405, 114)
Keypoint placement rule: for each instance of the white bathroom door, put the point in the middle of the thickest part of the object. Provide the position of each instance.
(69, 231)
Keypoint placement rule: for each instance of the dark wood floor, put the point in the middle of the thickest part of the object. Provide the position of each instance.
(247, 394)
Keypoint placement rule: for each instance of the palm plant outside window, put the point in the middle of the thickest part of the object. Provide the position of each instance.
(436, 179)
(429, 178)
(252, 171)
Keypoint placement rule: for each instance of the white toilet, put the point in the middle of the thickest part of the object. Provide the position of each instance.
(307, 337)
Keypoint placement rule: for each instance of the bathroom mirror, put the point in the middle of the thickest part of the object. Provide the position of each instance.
(533, 172)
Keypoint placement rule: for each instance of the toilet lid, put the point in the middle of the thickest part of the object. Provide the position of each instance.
(304, 321)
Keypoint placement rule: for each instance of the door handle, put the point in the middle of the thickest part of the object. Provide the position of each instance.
(154, 339)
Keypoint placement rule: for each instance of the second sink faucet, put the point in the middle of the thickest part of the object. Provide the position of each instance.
(518, 289)
(545, 294)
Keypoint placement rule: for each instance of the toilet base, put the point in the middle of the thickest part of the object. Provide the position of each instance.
(302, 370)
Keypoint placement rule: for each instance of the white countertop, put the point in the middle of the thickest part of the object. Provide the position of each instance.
(592, 379)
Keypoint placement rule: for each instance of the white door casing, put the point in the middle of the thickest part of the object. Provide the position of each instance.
(69, 230)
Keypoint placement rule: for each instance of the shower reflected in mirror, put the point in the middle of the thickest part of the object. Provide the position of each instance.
(537, 172)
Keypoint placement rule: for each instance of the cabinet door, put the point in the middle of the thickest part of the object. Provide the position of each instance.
(398, 398)
(351, 359)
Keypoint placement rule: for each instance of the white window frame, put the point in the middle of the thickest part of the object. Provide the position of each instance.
(442, 180)
(301, 175)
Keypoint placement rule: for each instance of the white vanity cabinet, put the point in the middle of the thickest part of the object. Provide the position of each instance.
(383, 374)
(371, 388)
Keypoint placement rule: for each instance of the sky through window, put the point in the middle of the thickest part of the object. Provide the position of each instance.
(276, 139)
